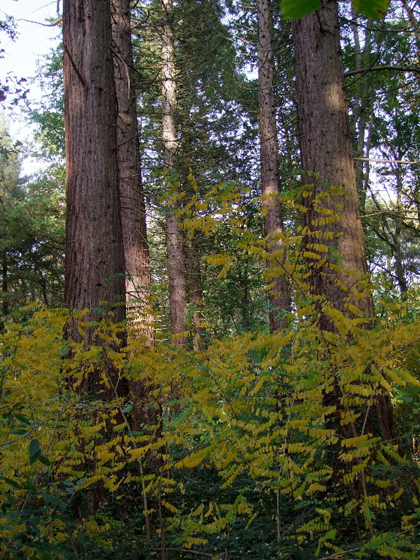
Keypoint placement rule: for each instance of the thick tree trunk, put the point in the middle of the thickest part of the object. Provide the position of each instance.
(279, 294)
(133, 215)
(94, 269)
(94, 248)
(174, 238)
(327, 153)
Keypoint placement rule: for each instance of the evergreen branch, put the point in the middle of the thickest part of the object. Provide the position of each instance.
(382, 67)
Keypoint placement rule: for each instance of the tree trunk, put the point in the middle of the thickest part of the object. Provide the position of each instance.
(327, 154)
(174, 238)
(279, 294)
(94, 268)
(94, 248)
(327, 151)
(133, 214)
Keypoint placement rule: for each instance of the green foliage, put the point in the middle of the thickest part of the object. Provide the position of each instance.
(295, 9)
(259, 446)
(31, 231)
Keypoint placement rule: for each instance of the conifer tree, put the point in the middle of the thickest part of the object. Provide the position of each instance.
(174, 238)
(133, 212)
(279, 295)
(94, 275)
(327, 156)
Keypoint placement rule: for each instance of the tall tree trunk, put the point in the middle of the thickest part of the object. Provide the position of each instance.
(94, 268)
(94, 248)
(133, 214)
(327, 153)
(174, 238)
(279, 294)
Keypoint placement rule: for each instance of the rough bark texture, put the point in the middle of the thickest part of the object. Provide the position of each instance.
(94, 249)
(133, 215)
(327, 153)
(133, 212)
(174, 239)
(279, 295)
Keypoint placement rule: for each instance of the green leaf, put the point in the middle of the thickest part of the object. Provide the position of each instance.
(44, 460)
(23, 419)
(49, 499)
(11, 482)
(34, 451)
(295, 9)
(374, 9)
(64, 351)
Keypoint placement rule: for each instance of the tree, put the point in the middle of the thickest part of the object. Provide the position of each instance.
(94, 276)
(279, 295)
(331, 221)
(133, 212)
(174, 238)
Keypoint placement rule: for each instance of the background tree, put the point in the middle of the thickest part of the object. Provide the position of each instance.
(279, 294)
(133, 212)
(174, 239)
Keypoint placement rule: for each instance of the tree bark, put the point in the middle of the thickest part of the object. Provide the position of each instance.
(133, 213)
(174, 238)
(279, 294)
(94, 249)
(94, 267)
(327, 154)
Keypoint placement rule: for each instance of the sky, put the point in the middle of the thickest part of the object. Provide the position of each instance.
(34, 40)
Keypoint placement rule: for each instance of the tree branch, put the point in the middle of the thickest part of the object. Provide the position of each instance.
(382, 67)
(387, 160)
(186, 550)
